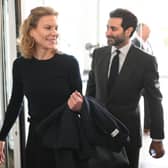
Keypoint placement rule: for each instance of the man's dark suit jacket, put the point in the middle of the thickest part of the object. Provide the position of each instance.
(139, 71)
(137, 43)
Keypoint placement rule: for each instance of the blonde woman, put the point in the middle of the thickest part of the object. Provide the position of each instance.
(48, 79)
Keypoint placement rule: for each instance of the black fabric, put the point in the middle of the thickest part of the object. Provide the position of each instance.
(99, 123)
(84, 132)
(105, 158)
(133, 155)
(46, 84)
(39, 156)
(138, 72)
(113, 71)
(147, 118)
(60, 129)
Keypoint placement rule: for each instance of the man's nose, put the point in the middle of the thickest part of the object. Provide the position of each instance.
(109, 32)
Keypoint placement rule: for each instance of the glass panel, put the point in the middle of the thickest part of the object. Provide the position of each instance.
(4, 85)
(8, 50)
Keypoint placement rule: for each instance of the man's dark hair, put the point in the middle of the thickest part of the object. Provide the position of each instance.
(128, 18)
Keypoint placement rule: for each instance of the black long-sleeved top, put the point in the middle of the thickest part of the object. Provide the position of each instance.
(46, 84)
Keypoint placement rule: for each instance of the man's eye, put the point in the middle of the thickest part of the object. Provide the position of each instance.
(113, 28)
(48, 27)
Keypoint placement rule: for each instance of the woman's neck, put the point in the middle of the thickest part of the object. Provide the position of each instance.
(44, 54)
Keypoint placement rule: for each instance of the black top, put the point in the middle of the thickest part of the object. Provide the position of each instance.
(46, 84)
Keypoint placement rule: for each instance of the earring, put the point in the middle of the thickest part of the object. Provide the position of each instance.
(32, 43)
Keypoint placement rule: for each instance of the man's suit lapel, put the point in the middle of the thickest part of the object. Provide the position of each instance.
(106, 60)
(104, 66)
(128, 63)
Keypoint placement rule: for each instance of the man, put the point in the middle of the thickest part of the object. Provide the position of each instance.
(141, 41)
(137, 71)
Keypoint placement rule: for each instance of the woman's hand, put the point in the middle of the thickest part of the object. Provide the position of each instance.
(75, 101)
(2, 155)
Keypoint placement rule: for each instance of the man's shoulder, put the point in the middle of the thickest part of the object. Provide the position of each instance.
(135, 39)
(139, 54)
(102, 50)
(136, 42)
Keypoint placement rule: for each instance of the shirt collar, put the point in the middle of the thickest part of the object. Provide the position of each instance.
(124, 50)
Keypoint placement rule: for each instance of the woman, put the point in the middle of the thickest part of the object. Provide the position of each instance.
(48, 79)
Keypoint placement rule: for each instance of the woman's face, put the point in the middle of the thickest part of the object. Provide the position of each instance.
(45, 34)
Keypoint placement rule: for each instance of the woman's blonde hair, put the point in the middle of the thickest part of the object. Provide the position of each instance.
(26, 42)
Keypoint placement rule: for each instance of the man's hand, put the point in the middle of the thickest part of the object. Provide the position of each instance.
(156, 149)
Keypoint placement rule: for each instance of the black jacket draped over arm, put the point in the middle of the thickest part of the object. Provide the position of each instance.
(93, 126)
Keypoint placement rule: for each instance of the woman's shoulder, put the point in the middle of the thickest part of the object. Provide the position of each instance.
(18, 60)
(21, 62)
(69, 59)
(21, 59)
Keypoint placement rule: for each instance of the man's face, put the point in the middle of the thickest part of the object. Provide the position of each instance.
(116, 36)
(145, 32)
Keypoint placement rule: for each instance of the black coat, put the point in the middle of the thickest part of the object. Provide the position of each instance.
(83, 131)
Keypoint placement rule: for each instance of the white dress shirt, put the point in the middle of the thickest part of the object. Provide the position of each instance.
(122, 56)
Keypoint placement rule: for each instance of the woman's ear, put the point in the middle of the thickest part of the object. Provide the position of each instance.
(31, 33)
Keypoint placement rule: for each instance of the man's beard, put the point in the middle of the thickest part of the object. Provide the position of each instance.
(114, 41)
